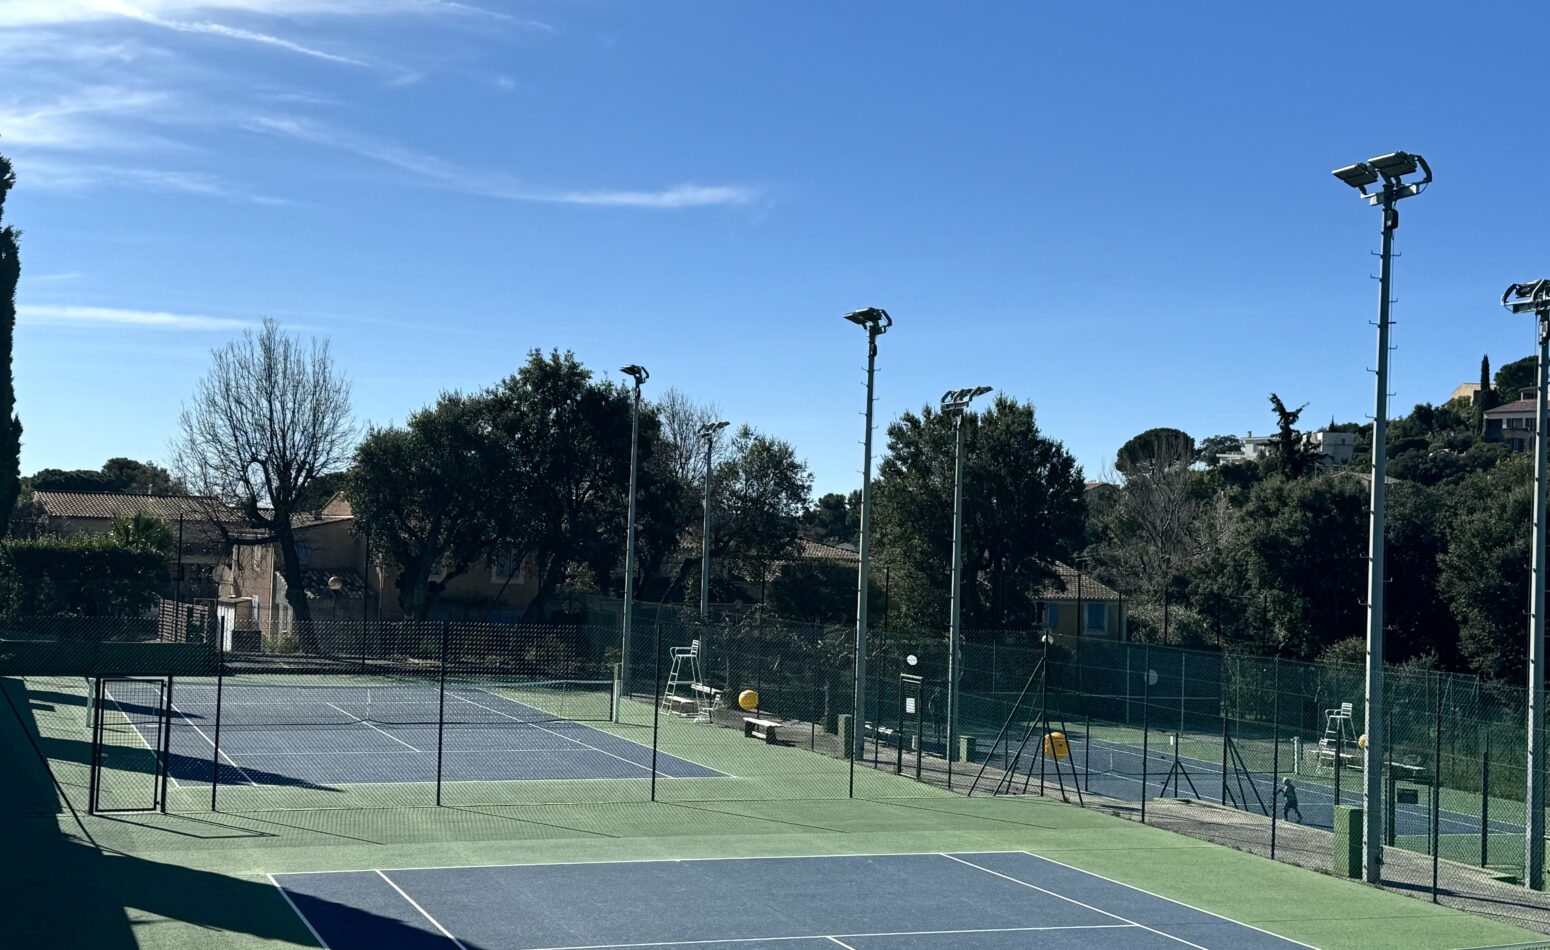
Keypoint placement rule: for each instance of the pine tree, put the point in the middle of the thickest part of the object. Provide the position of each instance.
(10, 424)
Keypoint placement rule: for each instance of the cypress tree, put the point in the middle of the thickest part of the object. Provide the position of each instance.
(10, 425)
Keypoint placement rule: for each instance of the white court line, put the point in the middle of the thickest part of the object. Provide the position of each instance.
(362, 722)
(566, 864)
(834, 938)
(135, 726)
(1148, 893)
(223, 754)
(310, 929)
(1072, 900)
(535, 725)
(412, 903)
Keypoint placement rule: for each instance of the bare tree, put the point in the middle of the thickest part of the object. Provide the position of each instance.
(272, 414)
(682, 418)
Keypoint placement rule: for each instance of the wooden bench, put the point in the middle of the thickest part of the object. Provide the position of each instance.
(708, 694)
(760, 729)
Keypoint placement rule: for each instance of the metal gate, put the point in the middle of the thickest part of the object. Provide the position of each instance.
(130, 744)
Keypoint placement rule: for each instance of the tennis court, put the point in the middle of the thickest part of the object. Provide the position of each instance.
(1114, 769)
(326, 734)
(945, 901)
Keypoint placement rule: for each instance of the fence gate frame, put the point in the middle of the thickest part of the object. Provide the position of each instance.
(159, 744)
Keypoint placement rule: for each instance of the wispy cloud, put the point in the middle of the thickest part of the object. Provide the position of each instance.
(444, 174)
(73, 177)
(248, 36)
(51, 315)
(87, 118)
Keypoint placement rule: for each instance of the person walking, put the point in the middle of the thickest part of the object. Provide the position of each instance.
(1289, 800)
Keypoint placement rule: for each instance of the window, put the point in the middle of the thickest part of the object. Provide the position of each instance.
(303, 553)
(1098, 616)
(1052, 616)
(504, 566)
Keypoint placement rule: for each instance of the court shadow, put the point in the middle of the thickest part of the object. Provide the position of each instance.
(185, 768)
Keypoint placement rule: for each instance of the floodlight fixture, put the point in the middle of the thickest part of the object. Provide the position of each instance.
(709, 429)
(638, 373)
(1532, 297)
(1358, 176)
(875, 319)
(957, 400)
(1394, 164)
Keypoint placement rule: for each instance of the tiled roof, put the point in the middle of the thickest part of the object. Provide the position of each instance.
(1510, 408)
(1065, 586)
(106, 505)
(821, 551)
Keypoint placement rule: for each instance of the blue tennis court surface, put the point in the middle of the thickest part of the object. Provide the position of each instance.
(355, 735)
(969, 901)
(1113, 769)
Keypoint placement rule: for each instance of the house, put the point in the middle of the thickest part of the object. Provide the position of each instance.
(1334, 448)
(201, 545)
(1075, 604)
(1464, 391)
(344, 581)
(1513, 422)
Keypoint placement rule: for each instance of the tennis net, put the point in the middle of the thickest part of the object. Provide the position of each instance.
(479, 701)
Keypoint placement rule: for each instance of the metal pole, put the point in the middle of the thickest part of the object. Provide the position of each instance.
(710, 441)
(858, 710)
(1275, 753)
(165, 753)
(1372, 772)
(220, 683)
(177, 583)
(629, 551)
(656, 701)
(1485, 801)
(1534, 871)
(441, 701)
(1436, 828)
(955, 608)
(1146, 722)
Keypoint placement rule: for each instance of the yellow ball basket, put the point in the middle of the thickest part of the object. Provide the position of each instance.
(1055, 745)
(748, 699)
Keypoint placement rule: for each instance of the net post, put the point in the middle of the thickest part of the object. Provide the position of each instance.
(1087, 750)
(1223, 710)
(441, 704)
(220, 684)
(1146, 720)
(96, 749)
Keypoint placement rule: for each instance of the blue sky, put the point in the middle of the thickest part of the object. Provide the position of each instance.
(1121, 212)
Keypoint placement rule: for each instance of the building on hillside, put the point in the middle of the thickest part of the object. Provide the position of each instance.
(1513, 422)
(1075, 604)
(1464, 391)
(344, 581)
(201, 545)
(1334, 448)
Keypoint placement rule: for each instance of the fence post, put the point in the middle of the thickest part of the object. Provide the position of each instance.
(166, 744)
(220, 683)
(441, 703)
(1485, 800)
(1146, 720)
(656, 700)
(1275, 751)
(1436, 784)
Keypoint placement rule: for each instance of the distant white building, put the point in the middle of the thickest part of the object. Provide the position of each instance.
(1513, 423)
(1334, 448)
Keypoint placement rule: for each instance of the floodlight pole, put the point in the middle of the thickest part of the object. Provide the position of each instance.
(957, 403)
(1391, 169)
(708, 433)
(1536, 651)
(1372, 792)
(640, 376)
(876, 322)
(1535, 298)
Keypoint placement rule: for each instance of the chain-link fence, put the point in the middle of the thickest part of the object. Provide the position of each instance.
(1261, 754)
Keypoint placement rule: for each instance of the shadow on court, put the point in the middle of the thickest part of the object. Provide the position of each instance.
(63, 891)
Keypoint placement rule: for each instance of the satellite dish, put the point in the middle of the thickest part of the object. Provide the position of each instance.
(911, 659)
(336, 583)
